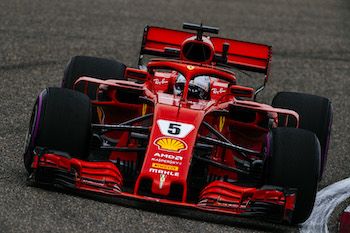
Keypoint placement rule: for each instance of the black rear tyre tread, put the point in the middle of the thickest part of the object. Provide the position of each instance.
(94, 67)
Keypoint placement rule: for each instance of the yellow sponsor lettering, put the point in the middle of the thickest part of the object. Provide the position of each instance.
(166, 167)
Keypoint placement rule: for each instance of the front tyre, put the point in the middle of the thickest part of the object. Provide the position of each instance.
(315, 115)
(294, 156)
(61, 120)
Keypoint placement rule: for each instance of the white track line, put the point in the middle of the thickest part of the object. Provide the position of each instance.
(347, 209)
(326, 201)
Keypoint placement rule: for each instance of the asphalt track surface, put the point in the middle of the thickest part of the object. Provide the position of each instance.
(311, 54)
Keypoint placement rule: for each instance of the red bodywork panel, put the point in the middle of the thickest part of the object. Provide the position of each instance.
(168, 119)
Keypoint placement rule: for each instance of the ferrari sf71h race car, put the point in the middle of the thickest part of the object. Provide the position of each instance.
(180, 131)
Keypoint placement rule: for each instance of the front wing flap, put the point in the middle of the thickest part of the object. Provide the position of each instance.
(55, 167)
(269, 202)
(272, 202)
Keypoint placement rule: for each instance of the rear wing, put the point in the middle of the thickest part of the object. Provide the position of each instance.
(243, 55)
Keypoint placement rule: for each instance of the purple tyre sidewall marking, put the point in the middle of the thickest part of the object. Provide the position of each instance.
(324, 156)
(62, 84)
(268, 145)
(267, 155)
(320, 172)
(37, 119)
(32, 140)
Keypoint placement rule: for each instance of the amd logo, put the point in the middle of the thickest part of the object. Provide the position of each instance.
(167, 156)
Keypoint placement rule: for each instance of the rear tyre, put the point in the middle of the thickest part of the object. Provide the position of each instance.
(294, 163)
(60, 121)
(315, 115)
(91, 67)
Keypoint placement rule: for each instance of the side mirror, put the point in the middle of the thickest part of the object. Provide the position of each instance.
(242, 91)
(136, 74)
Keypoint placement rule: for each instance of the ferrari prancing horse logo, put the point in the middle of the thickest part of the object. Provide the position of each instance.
(190, 67)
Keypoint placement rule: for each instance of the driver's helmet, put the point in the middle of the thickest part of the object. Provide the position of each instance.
(179, 84)
(199, 87)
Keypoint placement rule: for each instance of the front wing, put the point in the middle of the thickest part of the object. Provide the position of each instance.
(59, 168)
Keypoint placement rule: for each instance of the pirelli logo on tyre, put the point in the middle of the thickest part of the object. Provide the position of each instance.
(170, 144)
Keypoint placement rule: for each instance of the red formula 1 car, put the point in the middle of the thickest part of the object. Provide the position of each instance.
(181, 131)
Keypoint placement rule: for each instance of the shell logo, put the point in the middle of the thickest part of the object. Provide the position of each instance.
(190, 67)
(170, 144)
